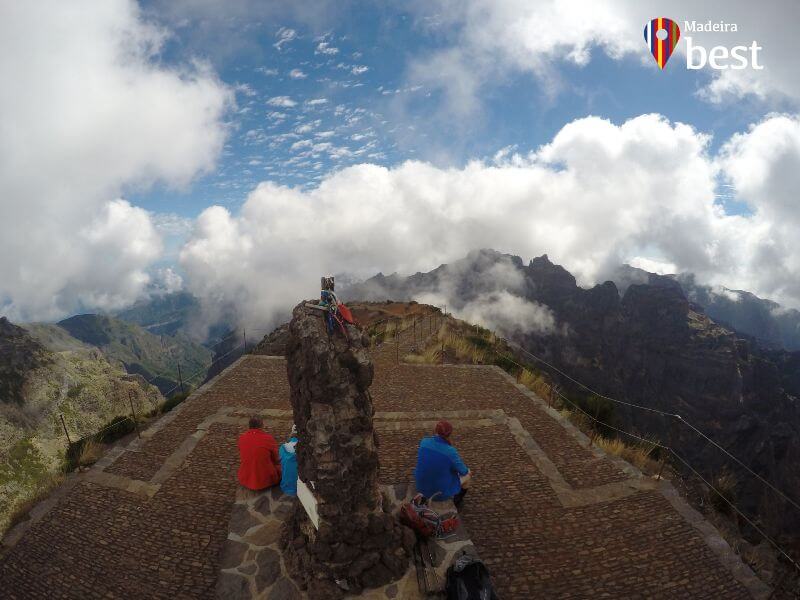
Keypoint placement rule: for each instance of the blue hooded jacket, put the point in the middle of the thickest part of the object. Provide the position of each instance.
(439, 468)
(289, 467)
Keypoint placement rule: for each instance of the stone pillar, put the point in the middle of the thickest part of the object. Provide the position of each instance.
(357, 544)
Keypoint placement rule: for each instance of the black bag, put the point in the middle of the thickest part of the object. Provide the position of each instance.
(468, 579)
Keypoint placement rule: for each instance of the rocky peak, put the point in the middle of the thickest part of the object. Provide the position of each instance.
(657, 306)
(552, 282)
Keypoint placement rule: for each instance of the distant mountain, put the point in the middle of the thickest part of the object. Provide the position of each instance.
(170, 314)
(138, 351)
(166, 314)
(742, 311)
(649, 345)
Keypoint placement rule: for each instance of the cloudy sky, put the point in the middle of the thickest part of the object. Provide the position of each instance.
(240, 149)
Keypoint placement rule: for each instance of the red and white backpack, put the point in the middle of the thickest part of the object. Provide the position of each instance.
(425, 521)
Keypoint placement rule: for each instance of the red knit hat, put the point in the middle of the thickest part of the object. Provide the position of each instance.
(443, 428)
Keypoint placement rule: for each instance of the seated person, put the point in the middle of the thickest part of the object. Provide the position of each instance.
(260, 465)
(440, 471)
(289, 464)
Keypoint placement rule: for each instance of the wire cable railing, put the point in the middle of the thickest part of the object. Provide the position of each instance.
(676, 416)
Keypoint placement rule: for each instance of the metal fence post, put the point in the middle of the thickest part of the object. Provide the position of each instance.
(180, 377)
(66, 433)
(133, 414)
(594, 427)
(244, 334)
(397, 343)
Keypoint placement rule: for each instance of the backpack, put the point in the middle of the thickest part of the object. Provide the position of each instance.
(425, 521)
(468, 579)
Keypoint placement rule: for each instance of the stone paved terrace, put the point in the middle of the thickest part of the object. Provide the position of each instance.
(551, 517)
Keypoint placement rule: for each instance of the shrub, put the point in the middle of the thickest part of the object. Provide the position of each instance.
(479, 341)
(116, 428)
(600, 408)
(506, 364)
(75, 391)
(725, 483)
(174, 400)
(90, 453)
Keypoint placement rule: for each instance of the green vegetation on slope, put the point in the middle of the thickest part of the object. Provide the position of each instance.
(138, 350)
(84, 387)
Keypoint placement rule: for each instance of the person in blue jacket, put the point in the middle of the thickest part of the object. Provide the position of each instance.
(440, 471)
(289, 464)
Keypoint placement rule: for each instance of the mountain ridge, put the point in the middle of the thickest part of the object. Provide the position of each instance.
(651, 346)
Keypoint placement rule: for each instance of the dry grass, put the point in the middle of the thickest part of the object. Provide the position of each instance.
(429, 356)
(579, 419)
(536, 383)
(454, 345)
(460, 347)
(90, 453)
(25, 504)
(638, 454)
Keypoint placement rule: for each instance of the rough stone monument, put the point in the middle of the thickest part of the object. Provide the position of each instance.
(354, 543)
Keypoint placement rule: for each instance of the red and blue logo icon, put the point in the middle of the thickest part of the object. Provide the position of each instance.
(662, 36)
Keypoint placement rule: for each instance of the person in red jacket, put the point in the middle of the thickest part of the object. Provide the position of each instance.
(260, 464)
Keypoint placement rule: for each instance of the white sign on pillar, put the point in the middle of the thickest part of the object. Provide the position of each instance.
(309, 502)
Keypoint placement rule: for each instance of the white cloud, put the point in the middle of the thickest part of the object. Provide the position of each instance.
(246, 89)
(507, 313)
(300, 144)
(495, 39)
(75, 134)
(167, 281)
(598, 195)
(316, 102)
(297, 74)
(282, 102)
(285, 36)
(171, 224)
(326, 48)
(307, 127)
(652, 265)
(359, 69)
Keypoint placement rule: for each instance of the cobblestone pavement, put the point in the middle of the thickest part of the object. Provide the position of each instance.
(550, 517)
